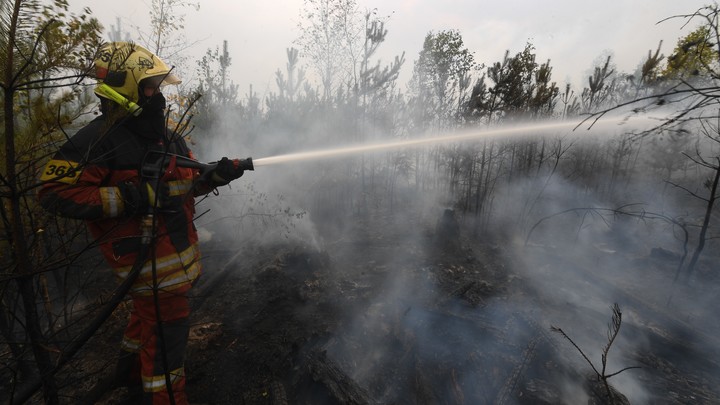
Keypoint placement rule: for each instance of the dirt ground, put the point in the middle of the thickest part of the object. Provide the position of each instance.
(423, 314)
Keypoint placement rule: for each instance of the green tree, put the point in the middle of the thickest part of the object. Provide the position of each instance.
(329, 38)
(694, 55)
(650, 70)
(601, 85)
(217, 92)
(440, 75)
(289, 87)
(166, 21)
(288, 108)
(44, 55)
(519, 88)
(373, 78)
(545, 92)
(514, 81)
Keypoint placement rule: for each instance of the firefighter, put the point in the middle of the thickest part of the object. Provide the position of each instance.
(97, 176)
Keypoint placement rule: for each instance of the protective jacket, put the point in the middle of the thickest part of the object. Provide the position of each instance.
(83, 181)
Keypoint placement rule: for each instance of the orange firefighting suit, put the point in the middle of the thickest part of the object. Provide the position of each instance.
(84, 180)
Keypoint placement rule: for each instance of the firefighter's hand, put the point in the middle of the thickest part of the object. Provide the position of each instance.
(140, 198)
(226, 171)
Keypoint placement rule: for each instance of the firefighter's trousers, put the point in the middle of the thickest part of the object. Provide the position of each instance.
(141, 359)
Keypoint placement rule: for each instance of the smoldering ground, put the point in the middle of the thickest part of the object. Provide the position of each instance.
(471, 323)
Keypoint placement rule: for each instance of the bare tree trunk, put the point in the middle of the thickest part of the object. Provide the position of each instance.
(479, 189)
(706, 223)
(467, 205)
(7, 330)
(20, 253)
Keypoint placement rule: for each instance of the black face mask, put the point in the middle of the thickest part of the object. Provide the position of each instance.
(151, 121)
(150, 124)
(152, 106)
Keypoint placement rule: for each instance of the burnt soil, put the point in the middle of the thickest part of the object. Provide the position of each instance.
(421, 314)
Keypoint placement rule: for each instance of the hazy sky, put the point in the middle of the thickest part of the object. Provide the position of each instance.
(572, 33)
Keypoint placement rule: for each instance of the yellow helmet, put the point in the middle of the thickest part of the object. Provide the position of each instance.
(121, 66)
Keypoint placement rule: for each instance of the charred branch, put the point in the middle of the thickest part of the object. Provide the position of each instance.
(340, 386)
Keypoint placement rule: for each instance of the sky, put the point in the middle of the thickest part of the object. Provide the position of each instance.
(573, 34)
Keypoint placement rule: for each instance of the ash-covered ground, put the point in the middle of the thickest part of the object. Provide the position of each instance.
(427, 313)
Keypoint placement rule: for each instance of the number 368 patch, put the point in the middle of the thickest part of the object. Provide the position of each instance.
(60, 170)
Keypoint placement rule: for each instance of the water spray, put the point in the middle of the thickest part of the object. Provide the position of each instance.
(159, 162)
(504, 132)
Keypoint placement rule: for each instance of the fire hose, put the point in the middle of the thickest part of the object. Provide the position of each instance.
(155, 165)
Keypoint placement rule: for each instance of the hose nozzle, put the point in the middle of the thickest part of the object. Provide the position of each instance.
(246, 164)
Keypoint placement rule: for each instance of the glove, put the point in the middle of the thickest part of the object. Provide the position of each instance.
(139, 198)
(226, 171)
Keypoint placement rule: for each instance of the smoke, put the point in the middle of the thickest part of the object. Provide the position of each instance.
(586, 253)
(576, 233)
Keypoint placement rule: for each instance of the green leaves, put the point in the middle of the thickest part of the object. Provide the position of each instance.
(694, 55)
(46, 40)
(441, 68)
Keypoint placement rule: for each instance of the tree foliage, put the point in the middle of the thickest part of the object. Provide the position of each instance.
(440, 74)
(329, 39)
(522, 87)
(45, 53)
(373, 78)
(218, 94)
(166, 21)
(694, 55)
(519, 88)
